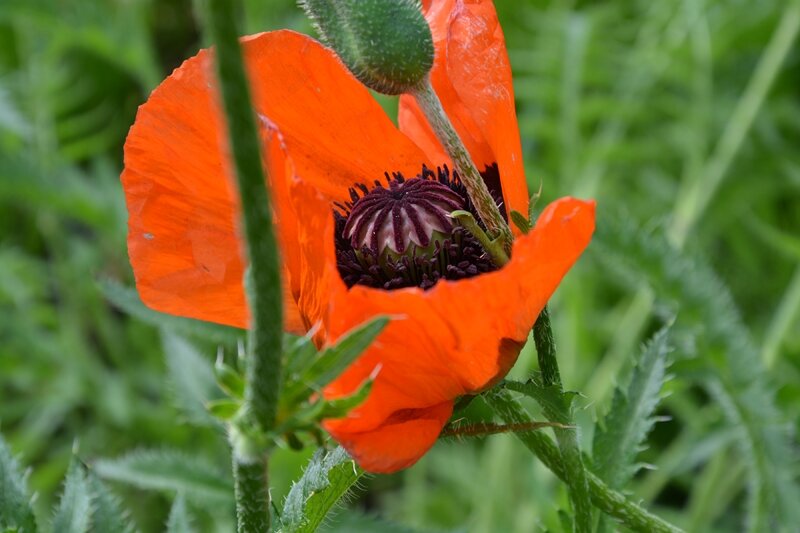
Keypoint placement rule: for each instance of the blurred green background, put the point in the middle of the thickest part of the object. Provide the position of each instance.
(681, 117)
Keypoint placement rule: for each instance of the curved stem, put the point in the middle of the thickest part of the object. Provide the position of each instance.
(604, 498)
(493, 248)
(567, 438)
(469, 174)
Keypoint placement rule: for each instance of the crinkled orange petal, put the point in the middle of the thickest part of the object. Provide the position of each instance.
(399, 442)
(335, 131)
(183, 210)
(472, 76)
(458, 337)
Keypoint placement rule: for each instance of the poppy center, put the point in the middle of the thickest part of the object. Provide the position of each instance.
(402, 214)
(399, 234)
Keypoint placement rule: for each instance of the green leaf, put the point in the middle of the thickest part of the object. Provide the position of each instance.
(557, 405)
(15, 507)
(127, 300)
(179, 519)
(333, 361)
(352, 521)
(170, 470)
(192, 378)
(326, 479)
(74, 511)
(618, 440)
(107, 512)
(736, 377)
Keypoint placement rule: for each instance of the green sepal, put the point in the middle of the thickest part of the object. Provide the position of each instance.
(229, 380)
(224, 409)
(330, 363)
(310, 415)
(386, 44)
(339, 407)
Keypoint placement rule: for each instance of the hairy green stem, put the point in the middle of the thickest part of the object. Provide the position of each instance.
(470, 176)
(252, 490)
(604, 498)
(567, 438)
(264, 290)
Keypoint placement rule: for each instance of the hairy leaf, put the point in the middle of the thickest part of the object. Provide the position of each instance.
(192, 378)
(107, 511)
(736, 377)
(327, 478)
(619, 438)
(15, 508)
(170, 470)
(179, 519)
(74, 511)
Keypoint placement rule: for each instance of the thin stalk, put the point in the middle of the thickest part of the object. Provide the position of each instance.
(494, 248)
(470, 176)
(264, 290)
(484, 429)
(567, 438)
(604, 498)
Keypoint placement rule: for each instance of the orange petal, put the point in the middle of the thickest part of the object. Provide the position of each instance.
(183, 209)
(182, 236)
(458, 337)
(472, 76)
(398, 443)
(335, 131)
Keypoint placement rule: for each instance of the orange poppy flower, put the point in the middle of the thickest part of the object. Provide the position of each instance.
(459, 322)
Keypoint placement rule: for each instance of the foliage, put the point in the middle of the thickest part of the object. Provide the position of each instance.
(325, 480)
(621, 100)
(15, 511)
(618, 439)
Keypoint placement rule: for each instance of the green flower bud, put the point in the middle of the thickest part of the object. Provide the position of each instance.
(386, 44)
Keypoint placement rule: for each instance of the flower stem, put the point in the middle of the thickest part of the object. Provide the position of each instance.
(493, 248)
(604, 498)
(252, 490)
(469, 174)
(264, 289)
(484, 429)
(567, 438)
